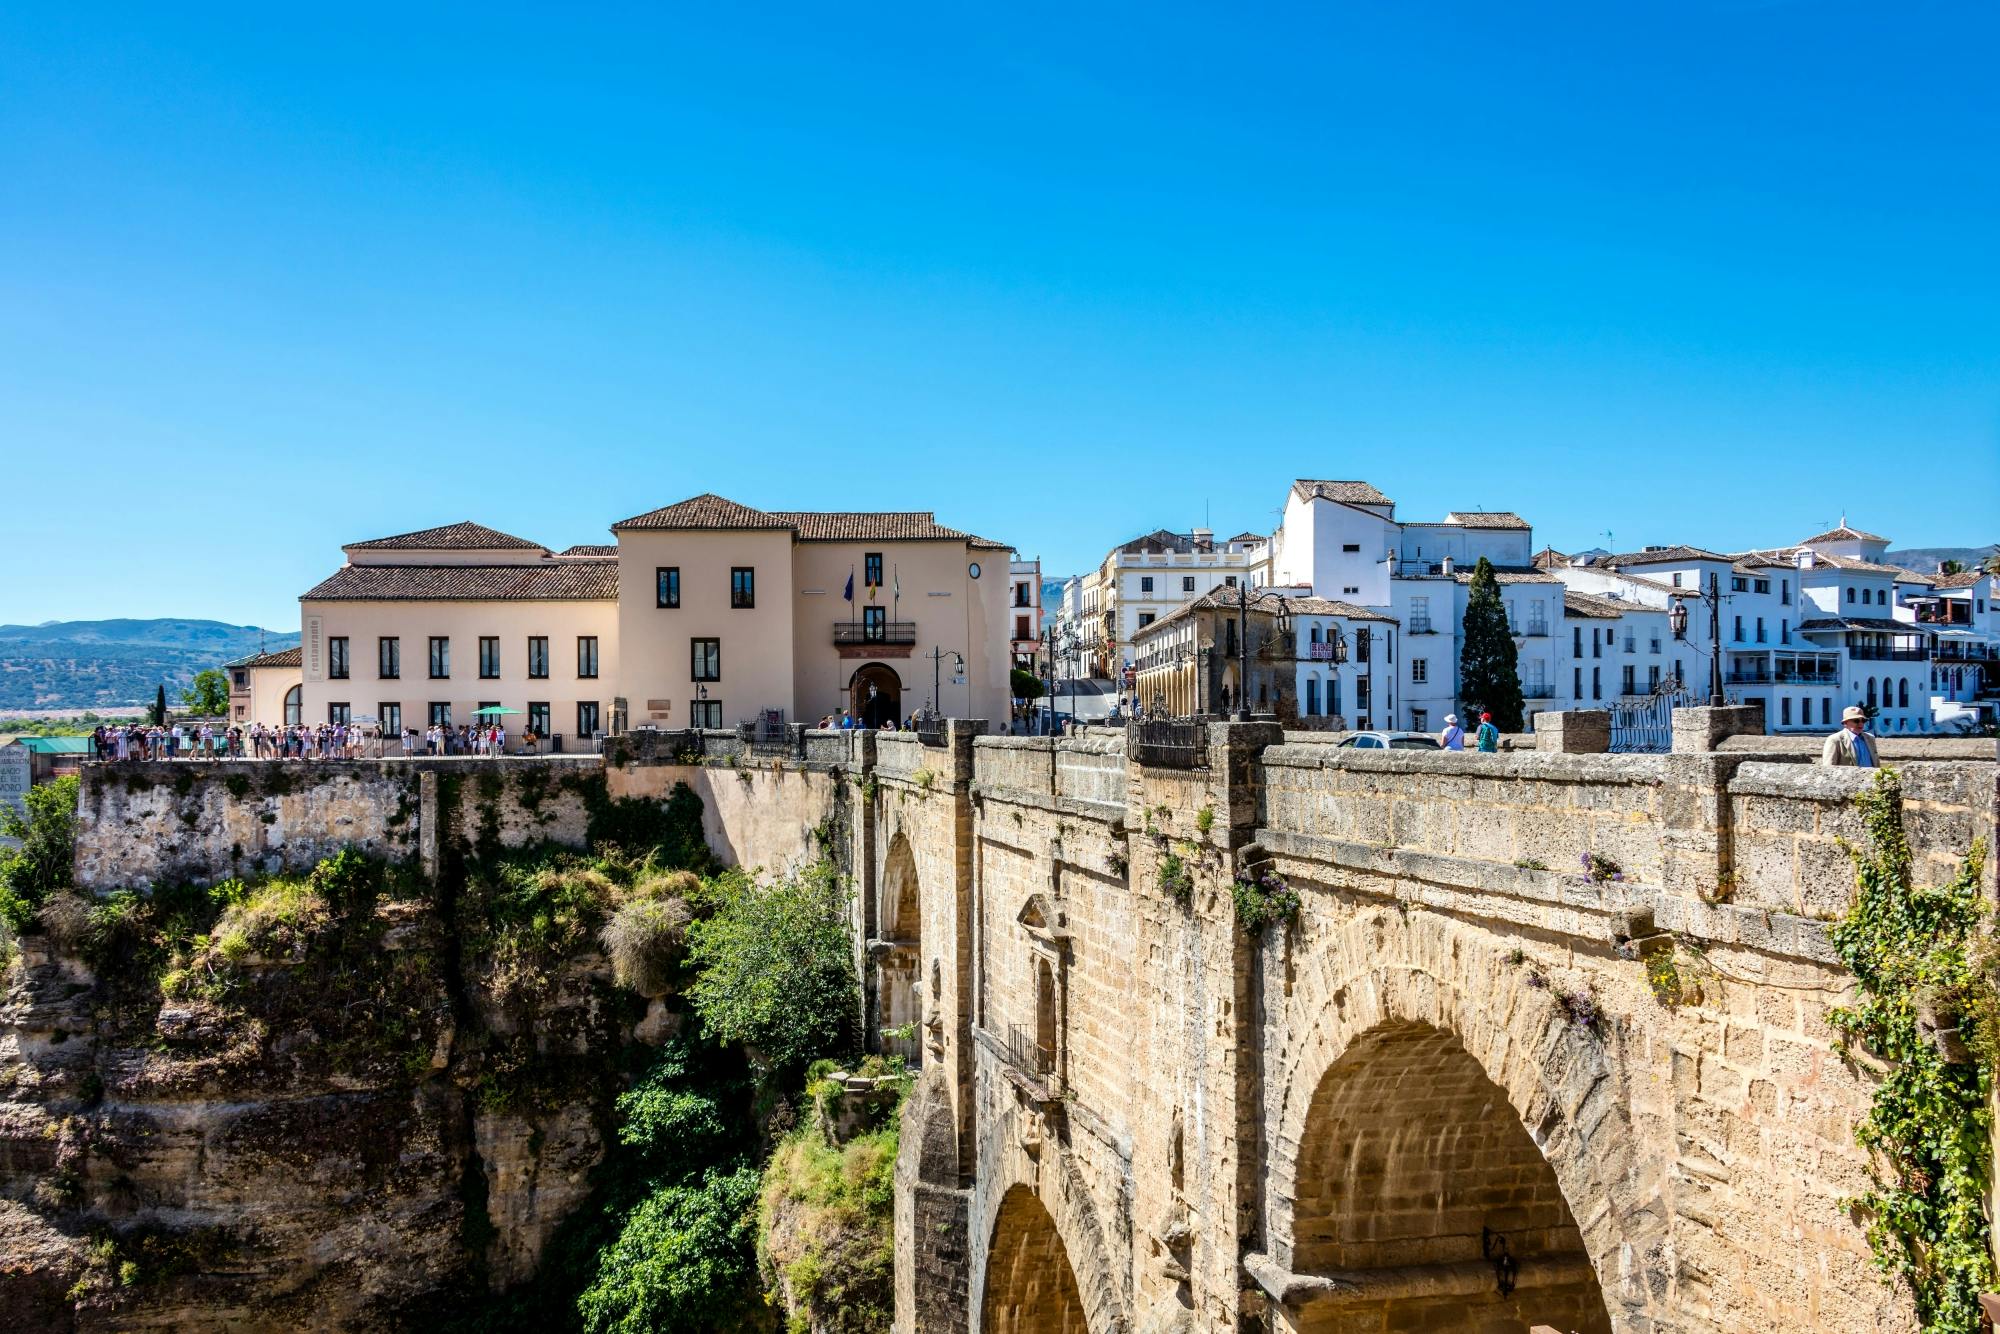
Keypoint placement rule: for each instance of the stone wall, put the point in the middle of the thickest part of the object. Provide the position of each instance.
(146, 825)
(1164, 1105)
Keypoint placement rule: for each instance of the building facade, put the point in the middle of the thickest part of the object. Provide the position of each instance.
(1142, 581)
(265, 688)
(1309, 661)
(1024, 613)
(705, 613)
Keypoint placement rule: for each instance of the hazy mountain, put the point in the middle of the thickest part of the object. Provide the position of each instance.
(89, 664)
(1925, 560)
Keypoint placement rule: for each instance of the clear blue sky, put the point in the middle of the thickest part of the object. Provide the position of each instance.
(1702, 271)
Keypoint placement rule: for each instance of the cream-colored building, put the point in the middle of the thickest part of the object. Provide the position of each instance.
(430, 626)
(265, 688)
(729, 613)
(703, 613)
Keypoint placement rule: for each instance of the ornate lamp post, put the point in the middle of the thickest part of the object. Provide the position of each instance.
(1677, 618)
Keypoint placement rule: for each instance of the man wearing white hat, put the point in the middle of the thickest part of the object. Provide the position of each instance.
(1853, 746)
(1453, 736)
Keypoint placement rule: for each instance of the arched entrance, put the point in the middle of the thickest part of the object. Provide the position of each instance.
(875, 694)
(1030, 1287)
(899, 994)
(1420, 1191)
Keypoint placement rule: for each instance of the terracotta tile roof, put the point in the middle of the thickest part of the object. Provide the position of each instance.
(467, 536)
(1850, 563)
(1663, 556)
(551, 581)
(875, 526)
(284, 657)
(1906, 575)
(1966, 580)
(706, 510)
(1248, 537)
(1347, 493)
(1265, 603)
(712, 511)
(1486, 519)
(1597, 608)
(1548, 558)
(1162, 542)
(1842, 534)
(596, 549)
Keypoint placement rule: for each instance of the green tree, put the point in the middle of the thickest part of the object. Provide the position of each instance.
(159, 715)
(207, 696)
(1951, 567)
(45, 861)
(776, 972)
(1489, 675)
(1026, 685)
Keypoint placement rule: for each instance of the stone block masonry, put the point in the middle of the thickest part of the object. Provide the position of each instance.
(147, 825)
(1449, 1092)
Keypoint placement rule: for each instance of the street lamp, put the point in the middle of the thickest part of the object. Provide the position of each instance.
(1677, 620)
(1242, 650)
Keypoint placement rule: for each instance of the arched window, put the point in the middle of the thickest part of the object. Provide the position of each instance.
(1903, 693)
(1871, 692)
(293, 703)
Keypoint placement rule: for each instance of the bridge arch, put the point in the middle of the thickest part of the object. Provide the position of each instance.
(1043, 1265)
(899, 965)
(1439, 1106)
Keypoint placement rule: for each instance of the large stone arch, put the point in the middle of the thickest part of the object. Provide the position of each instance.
(1034, 1170)
(900, 1001)
(1426, 1024)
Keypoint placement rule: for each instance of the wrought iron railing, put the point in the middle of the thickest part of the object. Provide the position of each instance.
(1871, 653)
(1168, 743)
(1027, 1052)
(931, 731)
(881, 632)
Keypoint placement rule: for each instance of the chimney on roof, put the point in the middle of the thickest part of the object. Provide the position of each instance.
(1204, 537)
(1804, 559)
(1445, 565)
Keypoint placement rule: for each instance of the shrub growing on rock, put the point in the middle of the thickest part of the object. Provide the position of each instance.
(644, 940)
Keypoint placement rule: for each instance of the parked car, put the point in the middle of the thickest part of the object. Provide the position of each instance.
(1391, 741)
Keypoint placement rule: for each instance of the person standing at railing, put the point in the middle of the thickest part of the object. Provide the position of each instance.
(1453, 736)
(1853, 746)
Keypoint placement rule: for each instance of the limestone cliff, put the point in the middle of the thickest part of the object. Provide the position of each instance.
(366, 1099)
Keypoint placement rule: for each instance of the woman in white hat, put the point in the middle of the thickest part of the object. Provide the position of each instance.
(1853, 746)
(1453, 736)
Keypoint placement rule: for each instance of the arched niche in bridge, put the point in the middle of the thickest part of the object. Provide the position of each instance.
(899, 966)
(1424, 1202)
(1030, 1286)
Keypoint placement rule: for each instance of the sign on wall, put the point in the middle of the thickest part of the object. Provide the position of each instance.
(313, 642)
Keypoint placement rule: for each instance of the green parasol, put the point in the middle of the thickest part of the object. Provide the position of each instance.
(492, 710)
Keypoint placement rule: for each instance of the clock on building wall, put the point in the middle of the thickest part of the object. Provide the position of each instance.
(973, 569)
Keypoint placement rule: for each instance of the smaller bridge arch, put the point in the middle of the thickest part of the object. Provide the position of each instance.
(1030, 1286)
(899, 995)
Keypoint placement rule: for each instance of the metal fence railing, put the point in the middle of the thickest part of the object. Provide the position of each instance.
(931, 730)
(1169, 744)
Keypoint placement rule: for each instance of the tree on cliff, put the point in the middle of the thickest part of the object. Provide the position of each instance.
(1489, 675)
(159, 714)
(207, 696)
(44, 862)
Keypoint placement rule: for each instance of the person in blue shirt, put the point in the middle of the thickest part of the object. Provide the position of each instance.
(1853, 746)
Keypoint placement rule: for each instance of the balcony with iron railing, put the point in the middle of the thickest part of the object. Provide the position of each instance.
(880, 632)
(1877, 653)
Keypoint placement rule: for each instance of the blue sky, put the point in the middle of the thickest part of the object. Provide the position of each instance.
(1706, 271)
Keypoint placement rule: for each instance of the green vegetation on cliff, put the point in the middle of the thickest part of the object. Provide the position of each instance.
(45, 861)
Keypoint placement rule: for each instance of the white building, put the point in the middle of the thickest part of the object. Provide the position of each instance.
(1024, 610)
(1141, 581)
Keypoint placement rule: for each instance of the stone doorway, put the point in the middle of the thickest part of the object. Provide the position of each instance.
(1421, 1193)
(1030, 1287)
(875, 694)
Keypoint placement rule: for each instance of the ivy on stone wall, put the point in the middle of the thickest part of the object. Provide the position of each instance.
(1927, 1011)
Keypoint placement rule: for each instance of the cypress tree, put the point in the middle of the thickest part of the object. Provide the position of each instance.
(160, 708)
(1489, 675)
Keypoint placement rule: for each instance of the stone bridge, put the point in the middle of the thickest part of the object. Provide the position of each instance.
(1445, 1096)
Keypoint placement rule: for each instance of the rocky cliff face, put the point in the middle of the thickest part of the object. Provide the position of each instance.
(323, 1117)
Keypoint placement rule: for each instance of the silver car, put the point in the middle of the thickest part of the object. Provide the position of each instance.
(1391, 741)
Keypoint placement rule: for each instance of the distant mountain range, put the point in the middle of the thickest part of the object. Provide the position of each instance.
(92, 664)
(1925, 560)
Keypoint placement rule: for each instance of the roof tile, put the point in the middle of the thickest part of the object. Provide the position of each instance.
(467, 536)
(551, 581)
(1348, 493)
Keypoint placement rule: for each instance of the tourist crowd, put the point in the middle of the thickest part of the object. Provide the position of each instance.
(323, 741)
